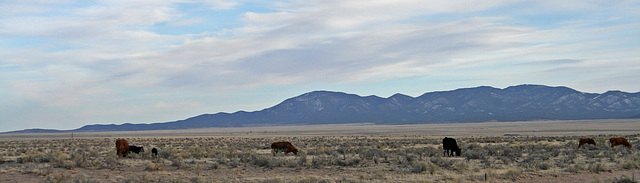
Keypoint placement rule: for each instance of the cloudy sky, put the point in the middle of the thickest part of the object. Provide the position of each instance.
(65, 63)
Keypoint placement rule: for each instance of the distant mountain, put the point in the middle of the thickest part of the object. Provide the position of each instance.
(516, 103)
(36, 130)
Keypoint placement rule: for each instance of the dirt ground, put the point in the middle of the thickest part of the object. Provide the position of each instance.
(583, 177)
(249, 174)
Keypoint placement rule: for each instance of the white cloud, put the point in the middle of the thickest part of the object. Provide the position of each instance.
(112, 53)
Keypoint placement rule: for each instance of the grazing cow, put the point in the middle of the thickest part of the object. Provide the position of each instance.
(583, 141)
(122, 148)
(285, 147)
(619, 141)
(154, 152)
(136, 149)
(450, 146)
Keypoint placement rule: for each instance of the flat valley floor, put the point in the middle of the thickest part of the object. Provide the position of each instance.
(535, 151)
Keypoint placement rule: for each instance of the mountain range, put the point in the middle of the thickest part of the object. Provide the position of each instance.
(479, 104)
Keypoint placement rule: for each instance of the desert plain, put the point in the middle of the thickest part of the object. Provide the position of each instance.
(532, 151)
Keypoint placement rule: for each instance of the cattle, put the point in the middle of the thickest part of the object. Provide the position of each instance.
(583, 141)
(285, 147)
(619, 141)
(450, 146)
(154, 152)
(122, 148)
(136, 149)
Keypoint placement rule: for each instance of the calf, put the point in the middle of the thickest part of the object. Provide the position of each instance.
(136, 149)
(154, 152)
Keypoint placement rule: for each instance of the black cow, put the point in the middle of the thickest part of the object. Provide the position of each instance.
(154, 152)
(450, 146)
(136, 149)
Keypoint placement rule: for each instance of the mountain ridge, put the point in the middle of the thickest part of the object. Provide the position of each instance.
(478, 104)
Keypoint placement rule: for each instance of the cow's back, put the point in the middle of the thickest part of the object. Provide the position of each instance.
(449, 143)
(286, 147)
(280, 145)
(619, 141)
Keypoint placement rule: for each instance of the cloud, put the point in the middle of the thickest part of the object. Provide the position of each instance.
(301, 42)
(115, 53)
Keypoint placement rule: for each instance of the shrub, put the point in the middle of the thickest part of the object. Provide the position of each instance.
(198, 179)
(261, 161)
(273, 180)
(110, 162)
(574, 168)
(513, 174)
(598, 167)
(177, 162)
(624, 179)
(544, 166)
(460, 166)
(351, 161)
(474, 154)
(33, 156)
(153, 167)
(419, 168)
(630, 164)
(313, 179)
(79, 159)
(56, 179)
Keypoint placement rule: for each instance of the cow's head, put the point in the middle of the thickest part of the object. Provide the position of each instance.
(141, 149)
(457, 151)
(293, 150)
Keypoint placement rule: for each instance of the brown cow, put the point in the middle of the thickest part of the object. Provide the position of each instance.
(122, 148)
(583, 141)
(285, 147)
(619, 141)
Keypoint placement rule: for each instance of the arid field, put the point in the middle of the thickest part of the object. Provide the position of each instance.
(540, 151)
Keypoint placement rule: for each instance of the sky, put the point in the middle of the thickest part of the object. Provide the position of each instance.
(65, 64)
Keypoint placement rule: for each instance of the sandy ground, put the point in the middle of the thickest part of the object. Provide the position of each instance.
(528, 128)
(253, 174)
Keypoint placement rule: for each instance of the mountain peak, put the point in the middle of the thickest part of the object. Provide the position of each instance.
(400, 96)
(484, 103)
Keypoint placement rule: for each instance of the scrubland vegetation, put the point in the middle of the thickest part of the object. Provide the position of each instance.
(321, 159)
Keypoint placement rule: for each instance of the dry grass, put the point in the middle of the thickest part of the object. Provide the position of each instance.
(364, 158)
(351, 159)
